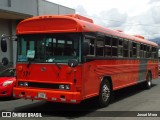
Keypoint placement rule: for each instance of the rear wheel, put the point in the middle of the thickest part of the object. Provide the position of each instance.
(105, 94)
(148, 82)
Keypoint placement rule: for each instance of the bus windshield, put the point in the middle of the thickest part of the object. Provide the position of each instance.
(49, 48)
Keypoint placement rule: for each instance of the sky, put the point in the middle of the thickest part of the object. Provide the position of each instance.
(135, 17)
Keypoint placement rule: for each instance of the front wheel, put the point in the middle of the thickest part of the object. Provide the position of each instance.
(105, 94)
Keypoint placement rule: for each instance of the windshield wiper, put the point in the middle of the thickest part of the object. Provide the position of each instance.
(29, 62)
(58, 66)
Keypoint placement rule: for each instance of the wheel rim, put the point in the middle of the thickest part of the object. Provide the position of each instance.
(149, 81)
(105, 93)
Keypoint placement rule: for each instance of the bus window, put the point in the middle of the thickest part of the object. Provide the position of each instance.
(145, 51)
(138, 50)
(91, 43)
(130, 49)
(125, 48)
(141, 51)
(120, 48)
(134, 50)
(100, 47)
(150, 51)
(154, 52)
(114, 47)
(51, 48)
(107, 48)
(159, 53)
(69, 49)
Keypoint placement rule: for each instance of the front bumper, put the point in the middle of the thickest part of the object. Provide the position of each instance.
(50, 95)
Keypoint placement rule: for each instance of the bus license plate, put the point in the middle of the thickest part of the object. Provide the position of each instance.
(41, 95)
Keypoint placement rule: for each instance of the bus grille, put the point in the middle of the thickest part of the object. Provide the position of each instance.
(38, 85)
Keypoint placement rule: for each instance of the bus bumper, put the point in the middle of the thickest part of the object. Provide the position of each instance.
(48, 95)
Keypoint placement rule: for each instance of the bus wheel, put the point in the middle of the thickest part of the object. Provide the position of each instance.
(105, 94)
(148, 82)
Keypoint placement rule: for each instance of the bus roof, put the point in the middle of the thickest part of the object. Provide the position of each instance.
(70, 23)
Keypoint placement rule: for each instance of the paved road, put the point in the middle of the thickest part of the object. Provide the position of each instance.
(130, 99)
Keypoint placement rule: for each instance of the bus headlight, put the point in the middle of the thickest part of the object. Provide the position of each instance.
(25, 84)
(64, 87)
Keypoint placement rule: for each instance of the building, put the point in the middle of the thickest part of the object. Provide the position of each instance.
(13, 11)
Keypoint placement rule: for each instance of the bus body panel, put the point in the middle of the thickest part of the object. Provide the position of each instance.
(47, 77)
(123, 73)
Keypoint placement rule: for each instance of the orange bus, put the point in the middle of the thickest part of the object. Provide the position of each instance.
(68, 58)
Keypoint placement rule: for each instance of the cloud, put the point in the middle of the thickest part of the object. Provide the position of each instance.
(81, 10)
(156, 14)
(154, 1)
(113, 17)
(146, 24)
(143, 24)
(110, 18)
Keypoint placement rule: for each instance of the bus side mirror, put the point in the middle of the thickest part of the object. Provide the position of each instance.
(72, 63)
(5, 61)
(85, 48)
(3, 44)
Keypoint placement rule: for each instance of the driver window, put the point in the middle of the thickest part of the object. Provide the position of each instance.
(91, 43)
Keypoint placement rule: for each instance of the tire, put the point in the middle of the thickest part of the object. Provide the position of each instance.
(148, 82)
(104, 94)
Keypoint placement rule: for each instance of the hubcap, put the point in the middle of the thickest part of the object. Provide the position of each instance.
(149, 81)
(105, 93)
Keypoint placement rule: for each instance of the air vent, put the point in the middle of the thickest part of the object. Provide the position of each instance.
(139, 36)
(119, 30)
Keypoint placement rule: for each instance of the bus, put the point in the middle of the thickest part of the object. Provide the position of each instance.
(68, 59)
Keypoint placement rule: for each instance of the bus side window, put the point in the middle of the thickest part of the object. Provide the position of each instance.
(134, 50)
(125, 48)
(114, 47)
(141, 51)
(138, 50)
(154, 52)
(130, 49)
(150, 51)
(91, 43)
(157, 56)
(107, 49)
(147, 51)
(100, 47)
(120, 47)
